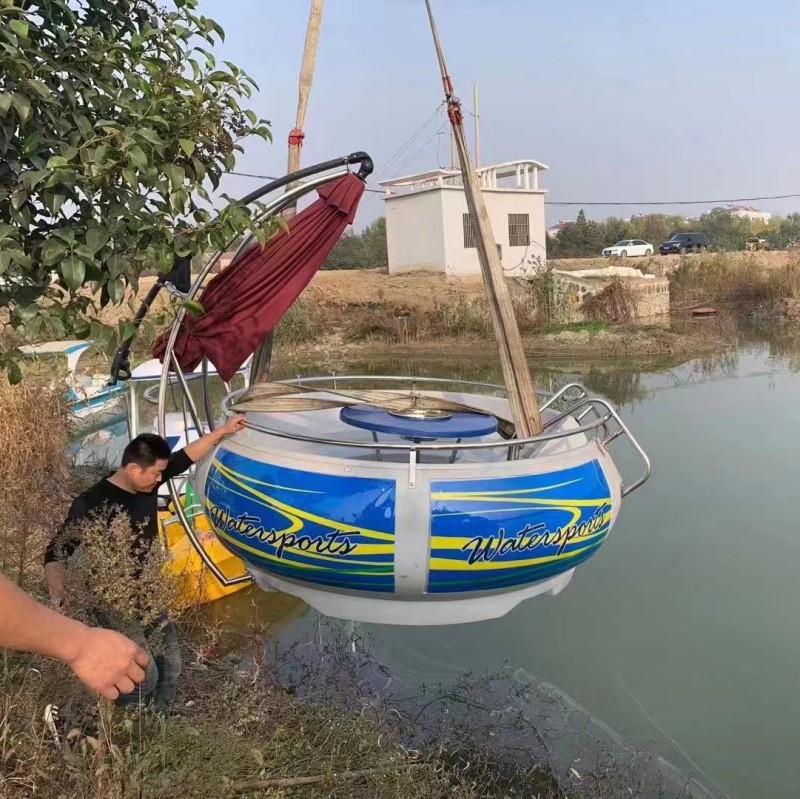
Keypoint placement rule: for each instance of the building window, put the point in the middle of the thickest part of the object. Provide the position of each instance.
(519, 230)
(469, 233)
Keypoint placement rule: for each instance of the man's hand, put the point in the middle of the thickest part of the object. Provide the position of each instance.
(198, 450)
(107, 662)
(233, 425)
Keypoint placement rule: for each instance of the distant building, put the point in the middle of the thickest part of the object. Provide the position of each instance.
(748, 212)
(429, 227)
(552, 232)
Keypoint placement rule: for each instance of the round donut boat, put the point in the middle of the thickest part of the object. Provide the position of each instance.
(427, 531)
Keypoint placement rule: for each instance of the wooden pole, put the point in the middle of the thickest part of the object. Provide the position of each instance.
(304, 91)
(477, 117)
(262, 358)
(519, 384)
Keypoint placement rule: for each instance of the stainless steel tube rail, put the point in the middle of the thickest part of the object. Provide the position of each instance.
(578, 409)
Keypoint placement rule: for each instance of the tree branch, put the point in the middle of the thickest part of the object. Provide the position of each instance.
(292, 782)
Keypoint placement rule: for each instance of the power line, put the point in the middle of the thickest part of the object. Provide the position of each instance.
(404, 148)
(679, 202)
(593, 202)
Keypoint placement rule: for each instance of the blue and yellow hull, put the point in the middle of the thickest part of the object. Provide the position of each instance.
(378, 542)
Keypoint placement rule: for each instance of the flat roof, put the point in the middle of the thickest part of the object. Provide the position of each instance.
(506, 169)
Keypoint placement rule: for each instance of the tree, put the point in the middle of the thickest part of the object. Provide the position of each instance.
(726, 231)
(114, 116)
(365, 250)
(376, 250)
(583, 239)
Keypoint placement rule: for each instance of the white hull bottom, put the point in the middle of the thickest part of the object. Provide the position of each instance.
(429, 611)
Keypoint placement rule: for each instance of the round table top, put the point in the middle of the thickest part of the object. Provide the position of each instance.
(459, 424)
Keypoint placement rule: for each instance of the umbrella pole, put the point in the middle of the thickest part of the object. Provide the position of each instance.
(518, 380)
(262, 358)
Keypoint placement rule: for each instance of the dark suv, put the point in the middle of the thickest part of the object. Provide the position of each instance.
(685, 242)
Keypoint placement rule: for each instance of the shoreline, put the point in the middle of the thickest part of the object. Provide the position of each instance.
(641, 342)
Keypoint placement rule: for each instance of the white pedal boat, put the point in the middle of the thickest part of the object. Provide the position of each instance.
(429, 532)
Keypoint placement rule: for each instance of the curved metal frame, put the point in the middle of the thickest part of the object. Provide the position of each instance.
(170, 361)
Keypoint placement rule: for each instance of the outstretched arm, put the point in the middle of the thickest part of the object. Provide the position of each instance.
(105, 661)
(197, 450)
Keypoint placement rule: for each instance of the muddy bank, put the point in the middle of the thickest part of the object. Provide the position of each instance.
(353, 313)
(651, 342)
(516, 735)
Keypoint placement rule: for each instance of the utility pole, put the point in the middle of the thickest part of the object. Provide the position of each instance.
(262, 358)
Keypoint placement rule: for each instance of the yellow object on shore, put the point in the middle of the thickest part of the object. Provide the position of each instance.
(198, 585)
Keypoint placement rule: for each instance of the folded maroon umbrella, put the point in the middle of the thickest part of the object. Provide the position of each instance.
(245, 301)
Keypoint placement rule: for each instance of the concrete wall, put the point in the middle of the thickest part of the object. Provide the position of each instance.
(425, 231)
(414, 232)
(651, 294)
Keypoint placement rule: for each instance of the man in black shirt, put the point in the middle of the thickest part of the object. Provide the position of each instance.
(147, 463)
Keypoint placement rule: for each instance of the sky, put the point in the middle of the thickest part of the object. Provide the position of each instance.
(624, 100)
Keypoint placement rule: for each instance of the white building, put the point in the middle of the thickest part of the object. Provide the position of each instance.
(552, 232)
(748, 212)
(428, 225)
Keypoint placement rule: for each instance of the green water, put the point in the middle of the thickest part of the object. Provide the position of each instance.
(682, 632)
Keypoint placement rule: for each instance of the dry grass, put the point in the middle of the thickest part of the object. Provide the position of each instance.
(616, 303)
(742, 284)
(239, 738)
(34, 475)
(116, 572)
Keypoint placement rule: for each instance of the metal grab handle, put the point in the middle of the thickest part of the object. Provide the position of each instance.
(626, 489)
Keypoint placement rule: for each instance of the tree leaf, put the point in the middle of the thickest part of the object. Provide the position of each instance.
(23, 106)
(18, 197)
(20, 27)
(116, 265)
(199, 169)
(34, 177)
(127, 330)
(41, 89)
(14, 373)
(81, 329)
(137, 157)
(116, 290)
(73, 270)
(193, 306)
(176, 175)
(5, 261)
(188, 146)
(52, 251)
(54, 200)
(5, 103)
(150, 135)
(96, 239)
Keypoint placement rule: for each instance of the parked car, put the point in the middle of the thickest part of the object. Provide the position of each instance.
(685, 242)
(628, 247)
(756, 243)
